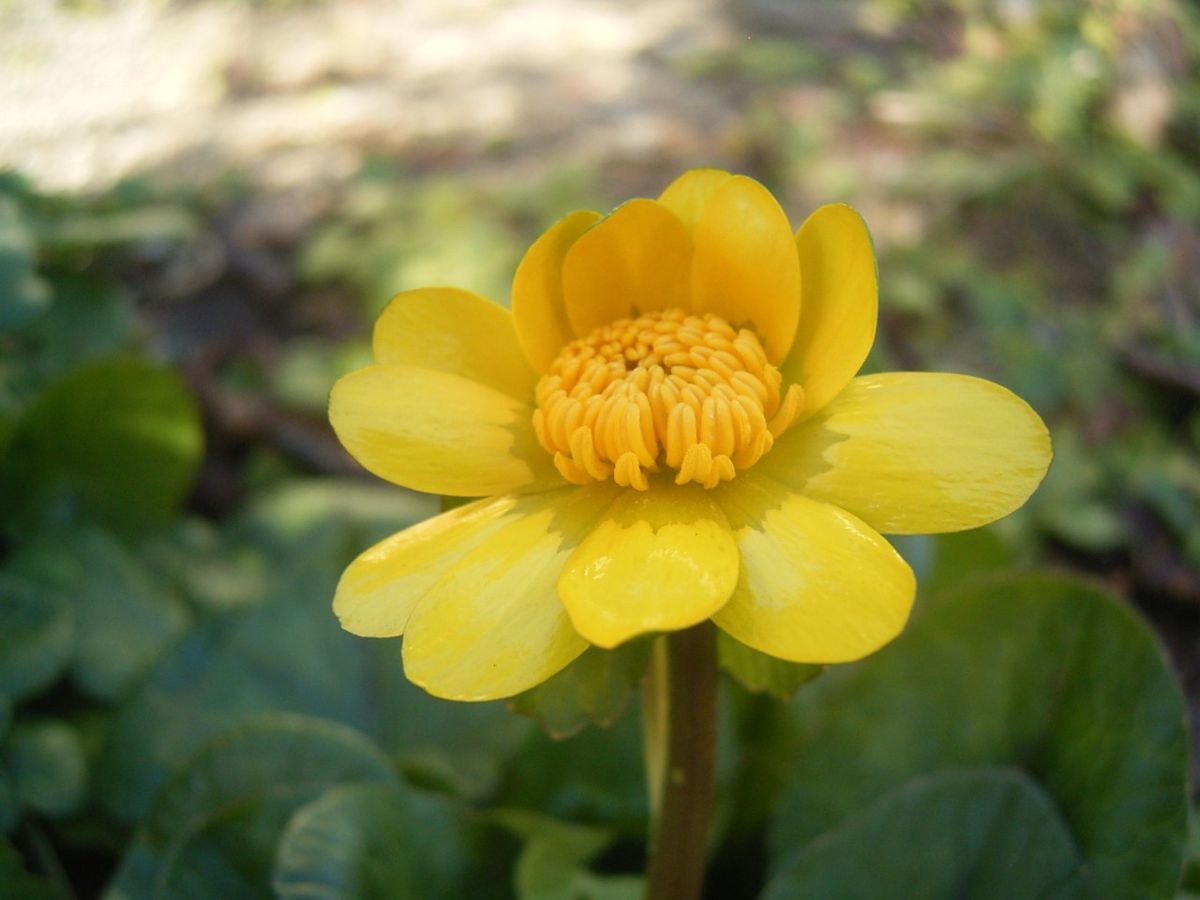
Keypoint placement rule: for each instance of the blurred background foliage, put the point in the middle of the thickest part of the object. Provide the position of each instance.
(180, 715)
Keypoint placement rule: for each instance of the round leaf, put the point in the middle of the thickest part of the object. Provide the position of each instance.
(37, 636)
(370, 841)
(117, 438)
(46, 763)
(213, 829)
(1042, 673)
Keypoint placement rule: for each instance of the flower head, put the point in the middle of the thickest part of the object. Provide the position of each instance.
(667, 428)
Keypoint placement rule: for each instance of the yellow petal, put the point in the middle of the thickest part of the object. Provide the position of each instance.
(379, 590)
(816, 584)
(841, 303)
(632, 261)
(688, 194)
(537, 292)
(492, 625)
(917, 453)
(437, 432)
(660, 560)
(455, 331)
(746, 268)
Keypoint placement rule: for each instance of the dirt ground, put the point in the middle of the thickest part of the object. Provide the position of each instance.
(96, 91)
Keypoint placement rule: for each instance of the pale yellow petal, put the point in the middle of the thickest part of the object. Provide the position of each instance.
(745, 266)
(454, 331)
(537, 293)
(379, 590)
(492, 625)
(917, 453)
(841, 303)
(660, 560)
(441, 433)
(817, 585)
(632, 261)
(688, 194)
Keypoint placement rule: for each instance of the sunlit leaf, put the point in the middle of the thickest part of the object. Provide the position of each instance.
(117, 438)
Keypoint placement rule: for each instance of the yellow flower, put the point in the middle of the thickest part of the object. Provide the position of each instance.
(666, 429)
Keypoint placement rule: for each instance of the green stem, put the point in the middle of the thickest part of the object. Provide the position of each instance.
(679, 715)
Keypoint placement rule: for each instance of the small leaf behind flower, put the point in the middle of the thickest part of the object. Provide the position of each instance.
(762, 674)
(594, 689)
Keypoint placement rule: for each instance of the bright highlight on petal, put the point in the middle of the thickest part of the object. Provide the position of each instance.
(659, 560)
(688, 194)
(437, 432)
(816, 584)
(538, 307)
(918, 453)
(454, 331)
(841, 303)
(492, 625)
(746, 269)
(379, 590)
(633, 261)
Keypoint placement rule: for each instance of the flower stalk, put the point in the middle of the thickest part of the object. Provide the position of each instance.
(679, 716)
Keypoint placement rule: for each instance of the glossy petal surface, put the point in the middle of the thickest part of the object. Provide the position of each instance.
(539, 310)
(816, 584)
(492, 625)
(634, 260)
(454, 331)
(379, 590)
(437, 432)
(688, 194)
(841, 303)
(746, 268)
(659, 560)
(917, 453)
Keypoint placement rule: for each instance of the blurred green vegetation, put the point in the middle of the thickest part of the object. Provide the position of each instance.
(181, 716)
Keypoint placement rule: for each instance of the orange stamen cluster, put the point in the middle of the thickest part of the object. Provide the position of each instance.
(685, 391)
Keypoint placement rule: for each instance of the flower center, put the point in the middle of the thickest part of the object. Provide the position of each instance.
(685, 391)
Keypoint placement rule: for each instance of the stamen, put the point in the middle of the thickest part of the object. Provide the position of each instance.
(687, 392)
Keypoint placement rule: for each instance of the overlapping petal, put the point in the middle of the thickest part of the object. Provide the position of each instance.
(816, 585)
(688, 194)
(539, 311)
(454, 331)
(745, 267)
(439, 432)
(917, 453)
(492, 625)
(379, 590)
(841, 303)
(659, 560)
(634, 260)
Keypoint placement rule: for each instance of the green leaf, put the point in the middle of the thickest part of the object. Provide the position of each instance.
(986, 834)
(125, 618)
(213, 829)
(288, 654)
(10, 807)
(37, 637)
(760, 673)
(118, 439)
(552, 864)
(15, 881)
(46, 764)
(1045, 674)
(22, 294)
(371, 841)
(595, 688)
